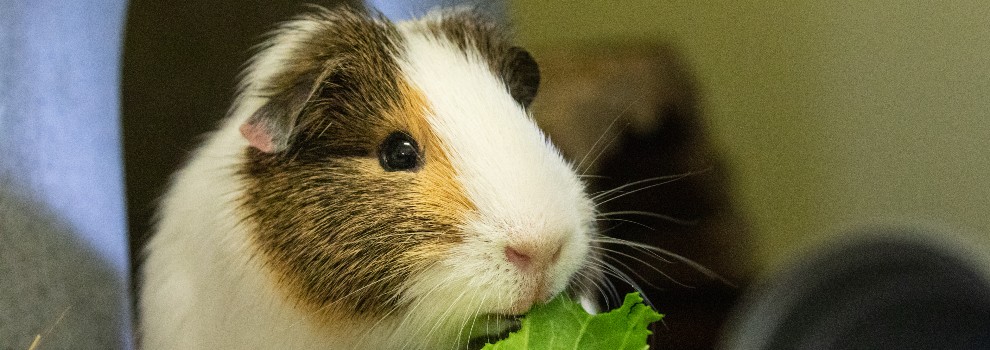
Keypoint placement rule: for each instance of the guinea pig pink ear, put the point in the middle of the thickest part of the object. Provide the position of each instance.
(522, 76)
(271, 128)
(258, 137)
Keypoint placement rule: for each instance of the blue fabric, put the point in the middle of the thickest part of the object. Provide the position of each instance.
(63, 244)
(402, 10)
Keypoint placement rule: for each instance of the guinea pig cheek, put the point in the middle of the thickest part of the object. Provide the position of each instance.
(435, 194)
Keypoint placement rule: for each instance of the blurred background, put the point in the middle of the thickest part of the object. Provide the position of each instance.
(827, 114)
(822, 116)
(793, 124)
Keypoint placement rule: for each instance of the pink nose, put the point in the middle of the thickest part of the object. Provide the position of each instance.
(517, 258)
(526, 256)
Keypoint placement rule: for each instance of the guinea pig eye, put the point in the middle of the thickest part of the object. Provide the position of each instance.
(399, 152)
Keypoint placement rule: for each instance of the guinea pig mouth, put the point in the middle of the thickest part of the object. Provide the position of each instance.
(478, 342)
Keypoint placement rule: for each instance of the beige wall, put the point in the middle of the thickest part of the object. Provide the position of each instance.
(833, 114)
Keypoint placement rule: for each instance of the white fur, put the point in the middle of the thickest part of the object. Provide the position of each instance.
(205, 287)
(524, 190)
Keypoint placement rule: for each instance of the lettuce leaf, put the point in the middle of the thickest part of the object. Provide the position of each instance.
(563, 324)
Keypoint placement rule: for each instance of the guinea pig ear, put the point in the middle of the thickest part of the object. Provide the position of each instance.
(270, 128)
(523, 76)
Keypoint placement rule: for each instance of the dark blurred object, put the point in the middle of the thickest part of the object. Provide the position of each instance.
(891, 291)
(625, 113)
(181, 59)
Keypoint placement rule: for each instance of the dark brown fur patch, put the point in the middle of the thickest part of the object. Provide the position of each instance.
(473, 32)
(343, 236)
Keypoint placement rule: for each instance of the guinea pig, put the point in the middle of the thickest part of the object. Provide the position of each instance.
(375, 185)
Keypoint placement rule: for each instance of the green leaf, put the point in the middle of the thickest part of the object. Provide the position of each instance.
(563, 324)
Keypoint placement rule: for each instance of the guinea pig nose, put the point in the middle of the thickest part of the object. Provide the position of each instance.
(517, 258)
(532, 256)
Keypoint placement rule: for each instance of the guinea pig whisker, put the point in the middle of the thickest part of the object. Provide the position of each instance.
(605, 132)
(464, 323)
(627, 221)
(326, 307)
(599, 140)
(613, 290)
(616, 299)
(665, 178)
(625, 278)
(474, 321)
(605, 196)
(672, 219)
(618, 192)
(657, 251)
(633, 271)
(638, 249)
(487, 335)
(419, 303)
(592, 177)
(606, 230)
(641, 261)
(583, 281)
(488, 323)
(416, 305)
(604, 148)
(388, 313)
(443, 319)
(386, 278)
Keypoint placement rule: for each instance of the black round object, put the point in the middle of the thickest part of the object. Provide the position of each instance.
(399, 152)
(886, 292)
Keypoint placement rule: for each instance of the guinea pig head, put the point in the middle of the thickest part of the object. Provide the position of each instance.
(393, 172)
